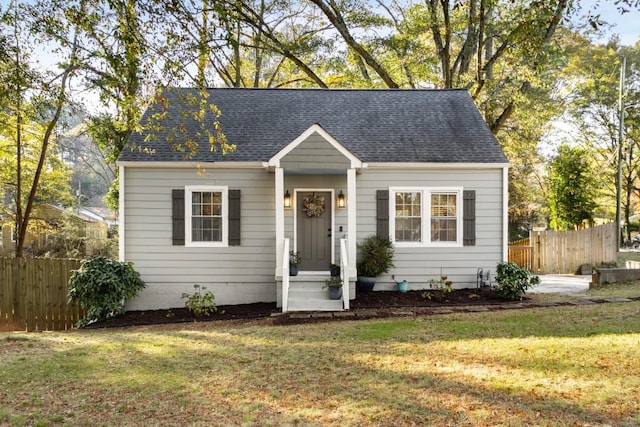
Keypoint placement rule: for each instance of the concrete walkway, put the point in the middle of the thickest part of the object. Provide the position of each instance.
(561, 283)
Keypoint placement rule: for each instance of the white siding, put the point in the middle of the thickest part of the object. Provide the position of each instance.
(419, 265)
(235, 274)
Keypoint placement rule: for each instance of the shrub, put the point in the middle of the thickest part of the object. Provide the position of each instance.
(201, 302)
(439, 287)
(513, 280)
(102, 286)
(376, 256)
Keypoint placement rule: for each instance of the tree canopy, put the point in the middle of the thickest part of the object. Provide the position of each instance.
(526, 65)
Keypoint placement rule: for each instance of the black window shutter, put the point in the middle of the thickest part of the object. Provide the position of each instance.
(469, 218)
(234, 217)
(382, 214)
(177, 199)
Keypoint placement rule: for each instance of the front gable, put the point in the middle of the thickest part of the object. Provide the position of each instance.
(315, 149)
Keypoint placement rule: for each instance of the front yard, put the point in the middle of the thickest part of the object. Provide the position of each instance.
(545, 366)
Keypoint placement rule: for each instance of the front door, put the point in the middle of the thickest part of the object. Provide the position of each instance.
(314, 239)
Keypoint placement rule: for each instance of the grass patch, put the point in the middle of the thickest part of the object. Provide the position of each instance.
(615, 290)
(623, 257)
(547, 366)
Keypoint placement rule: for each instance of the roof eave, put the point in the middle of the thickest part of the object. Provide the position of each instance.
(191, 164)
(435, 165)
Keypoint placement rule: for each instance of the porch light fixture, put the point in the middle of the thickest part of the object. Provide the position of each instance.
(341, 202)
(287, 200)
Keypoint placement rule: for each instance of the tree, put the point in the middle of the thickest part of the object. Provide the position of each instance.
(592, 78)
(31, 97)
(572, 188)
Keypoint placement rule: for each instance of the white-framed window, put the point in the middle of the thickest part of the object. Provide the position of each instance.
(206, 216)
(426, 216)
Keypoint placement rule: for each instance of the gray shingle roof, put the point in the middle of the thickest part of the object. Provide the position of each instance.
(375, 125)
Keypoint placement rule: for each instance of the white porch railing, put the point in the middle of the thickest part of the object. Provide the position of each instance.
(285, 276)
(344, 272)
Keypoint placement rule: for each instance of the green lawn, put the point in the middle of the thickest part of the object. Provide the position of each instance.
(627, 256)
(547, 366)
(609, 290)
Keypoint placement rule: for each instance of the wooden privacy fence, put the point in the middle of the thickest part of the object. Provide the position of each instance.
(33, 294)
(564, 252)
(522, 255)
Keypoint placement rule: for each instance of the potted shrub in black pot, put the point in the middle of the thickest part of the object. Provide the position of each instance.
(376, 258)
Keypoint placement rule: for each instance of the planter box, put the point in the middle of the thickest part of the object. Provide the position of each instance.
(615, 275)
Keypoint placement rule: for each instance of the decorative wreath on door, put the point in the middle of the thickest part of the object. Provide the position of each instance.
(313, 206)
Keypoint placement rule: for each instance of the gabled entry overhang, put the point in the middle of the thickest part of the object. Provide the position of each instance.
(354, 162)
(315, 152)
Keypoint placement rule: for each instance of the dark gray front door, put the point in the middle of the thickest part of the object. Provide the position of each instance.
(314, 230)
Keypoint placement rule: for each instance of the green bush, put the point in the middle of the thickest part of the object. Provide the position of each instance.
(102, 286)
(201, 302)
(376, 256)
(513, 280)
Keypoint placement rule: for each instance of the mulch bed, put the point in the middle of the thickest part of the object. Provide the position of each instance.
(366, 305)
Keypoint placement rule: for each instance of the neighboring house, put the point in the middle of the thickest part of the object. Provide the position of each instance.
(45, 222)
(420, 166)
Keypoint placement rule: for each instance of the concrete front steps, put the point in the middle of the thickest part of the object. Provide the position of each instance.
(306, 293)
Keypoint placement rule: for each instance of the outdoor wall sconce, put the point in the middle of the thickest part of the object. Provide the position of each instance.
(342, 201)
(287, 200)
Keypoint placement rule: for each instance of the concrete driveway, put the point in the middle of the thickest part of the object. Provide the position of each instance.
(561, 283)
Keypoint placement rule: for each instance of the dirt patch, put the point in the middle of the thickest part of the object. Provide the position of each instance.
(384, 302)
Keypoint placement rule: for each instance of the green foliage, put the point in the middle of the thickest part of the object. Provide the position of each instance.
(333, 282)
(608, 264)
(102, 286)
(294, 258)
(376, 256)
(439, 288)
(572, 188)
(513, 280)
(201, 301)
(443, 284)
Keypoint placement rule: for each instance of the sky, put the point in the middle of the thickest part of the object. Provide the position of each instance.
(626, 25)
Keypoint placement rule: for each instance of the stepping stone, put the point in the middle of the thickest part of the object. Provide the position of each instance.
(344, 314)
(546, 304)
(618, 300)
(367, 313)
(477, 309)
(403, 313)
(322, 315)
(300, 316)
(440, 311)
(512, 306)
(583, 302)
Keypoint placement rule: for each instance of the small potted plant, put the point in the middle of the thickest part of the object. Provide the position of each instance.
(376, 258)
(335, 287)
(294, 261)
(334, 269)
